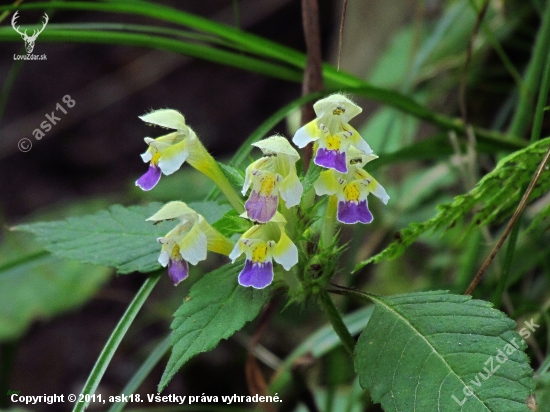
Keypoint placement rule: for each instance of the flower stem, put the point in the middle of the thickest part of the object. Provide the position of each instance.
(329, 224)
(206, 164)
(115, 339)
(336, 321)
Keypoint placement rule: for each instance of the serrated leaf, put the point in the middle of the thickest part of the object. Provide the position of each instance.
(216, 308)
(421, 349)
(119, 237)
(311, 176)
(232, 223)
(498, 193)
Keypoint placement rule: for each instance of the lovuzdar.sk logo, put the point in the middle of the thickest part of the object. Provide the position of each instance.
(29, 40)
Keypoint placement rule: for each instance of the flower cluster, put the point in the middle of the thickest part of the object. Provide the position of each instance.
(340, 149)
(352, 188)
(271, 184)
(192, 237)
(332, 134)
(271, 175)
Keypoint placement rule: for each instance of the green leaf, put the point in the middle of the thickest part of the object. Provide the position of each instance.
(533, 77)
(216, 308)
(232, 223)
(119, 237)
(235, 176)
(432, 148)
(543, 393)
(211, 211)
(36, 286)
(205, 52)
(252, 43)
(392, 130)
(540, 223)
(311, 176)
(40, 286)
(498, 192)
(421, 349)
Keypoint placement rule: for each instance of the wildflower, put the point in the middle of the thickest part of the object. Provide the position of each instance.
(332, 134)
(188, 242)
(352, 189)
(261, 244)
(167, 153)
(271, 175)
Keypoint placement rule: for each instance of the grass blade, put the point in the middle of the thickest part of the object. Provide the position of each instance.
(114, 340)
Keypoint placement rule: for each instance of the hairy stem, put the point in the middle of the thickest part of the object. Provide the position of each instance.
(336, 321)
(329, 223)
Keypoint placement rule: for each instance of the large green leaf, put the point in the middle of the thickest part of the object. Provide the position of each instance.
(119, 237)
(424, 351)
(216, 308)
(498, 193)
(40, 286)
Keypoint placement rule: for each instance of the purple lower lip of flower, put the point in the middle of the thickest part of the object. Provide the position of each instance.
(150, 179)
(178, 270)
(257, 275)
(351, 212)
(331, 159)
(261, 208)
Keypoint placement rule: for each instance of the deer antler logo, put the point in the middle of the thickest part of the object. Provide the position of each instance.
(29, 40)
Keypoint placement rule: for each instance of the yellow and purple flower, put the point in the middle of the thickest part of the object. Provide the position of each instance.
(188, 242)
(272, 175)
(352, 189)
(262, 244)
(332, 134)
(166, 153)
